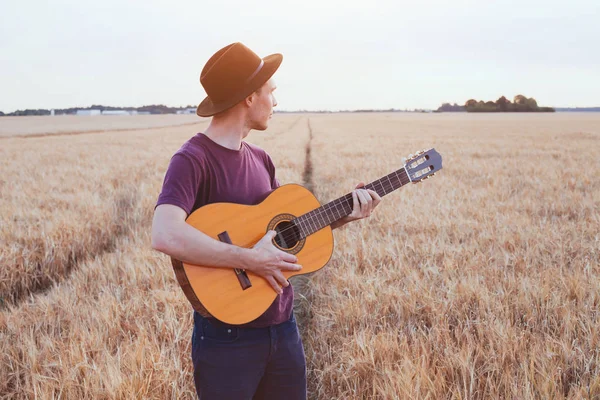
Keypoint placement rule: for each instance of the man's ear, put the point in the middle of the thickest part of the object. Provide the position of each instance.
(250, 99)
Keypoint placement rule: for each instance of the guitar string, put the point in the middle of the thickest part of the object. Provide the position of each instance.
(313, 218)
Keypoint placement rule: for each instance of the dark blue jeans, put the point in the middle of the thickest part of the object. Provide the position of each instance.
(248, 363)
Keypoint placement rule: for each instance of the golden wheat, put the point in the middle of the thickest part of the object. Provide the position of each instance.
(478, 283)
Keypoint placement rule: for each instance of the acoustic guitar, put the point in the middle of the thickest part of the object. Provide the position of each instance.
(302, 224)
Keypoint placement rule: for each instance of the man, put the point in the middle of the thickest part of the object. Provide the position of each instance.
(264, 358)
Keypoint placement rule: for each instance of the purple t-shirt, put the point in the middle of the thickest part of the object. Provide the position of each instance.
(203, 172)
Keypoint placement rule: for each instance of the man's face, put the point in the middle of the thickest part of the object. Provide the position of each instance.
(261, 109)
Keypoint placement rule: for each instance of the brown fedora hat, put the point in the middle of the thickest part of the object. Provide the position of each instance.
(232, 74)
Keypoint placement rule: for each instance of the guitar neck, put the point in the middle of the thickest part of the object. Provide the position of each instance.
(337, 209)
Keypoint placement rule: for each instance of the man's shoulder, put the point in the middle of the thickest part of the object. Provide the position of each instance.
(192, 149)
(254, 147)
(257, 150)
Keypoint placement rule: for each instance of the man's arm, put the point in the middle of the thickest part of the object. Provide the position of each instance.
(173, 236)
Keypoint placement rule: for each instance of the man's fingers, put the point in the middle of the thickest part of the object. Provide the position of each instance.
(374, 195)
(290, 266)
(274, 284)
(287, 257)
(268, 237)
(376, 199)
(281, 279)
(365, 200)
(363, 196)
(355, 204)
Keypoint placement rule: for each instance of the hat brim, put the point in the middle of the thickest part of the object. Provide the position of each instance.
(207, 108)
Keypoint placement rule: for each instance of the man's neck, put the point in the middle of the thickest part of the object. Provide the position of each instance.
(228, 132)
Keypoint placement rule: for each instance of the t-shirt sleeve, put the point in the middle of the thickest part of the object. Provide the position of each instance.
(271, 168)
(181, 184)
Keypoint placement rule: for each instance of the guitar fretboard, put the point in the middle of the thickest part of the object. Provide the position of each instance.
(325, 215)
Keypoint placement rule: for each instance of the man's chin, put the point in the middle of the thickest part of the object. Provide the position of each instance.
(261, 127)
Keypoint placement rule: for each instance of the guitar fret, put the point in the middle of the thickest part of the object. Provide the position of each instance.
(391, 185)
(304, 225)
(303, 233)
(374, 186)
(398, 176)
(403, 181)
(311, 223)
(328, 213)
(323, 219)
(348, 203)
(339, 213)
(390, 181)
(318, 217)
(382, 187)
(331, 212)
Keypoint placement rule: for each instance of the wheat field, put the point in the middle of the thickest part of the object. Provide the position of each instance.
(481, 282)
(72, 124)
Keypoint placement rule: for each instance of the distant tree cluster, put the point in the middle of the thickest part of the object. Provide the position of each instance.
(152, 109)
(447, 107)
(520, 104)
(20, 113)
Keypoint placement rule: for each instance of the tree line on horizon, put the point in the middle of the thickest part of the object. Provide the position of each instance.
(520, 104)
(152, 109)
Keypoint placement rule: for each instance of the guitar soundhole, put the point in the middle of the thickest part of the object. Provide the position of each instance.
(287, 235)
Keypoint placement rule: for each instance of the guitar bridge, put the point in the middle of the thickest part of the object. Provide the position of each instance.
(240, 273)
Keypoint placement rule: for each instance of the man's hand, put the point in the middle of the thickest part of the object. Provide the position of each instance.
(268, 262)
(364, 202)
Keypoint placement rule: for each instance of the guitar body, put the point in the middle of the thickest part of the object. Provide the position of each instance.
(219, 290)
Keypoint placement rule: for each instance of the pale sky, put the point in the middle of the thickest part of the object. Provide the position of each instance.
(337, 54)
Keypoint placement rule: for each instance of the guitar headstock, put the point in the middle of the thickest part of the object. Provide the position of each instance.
(422, 165)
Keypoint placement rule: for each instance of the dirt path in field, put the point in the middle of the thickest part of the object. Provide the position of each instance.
(307, 176)
(300, 283)
(50, 270)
